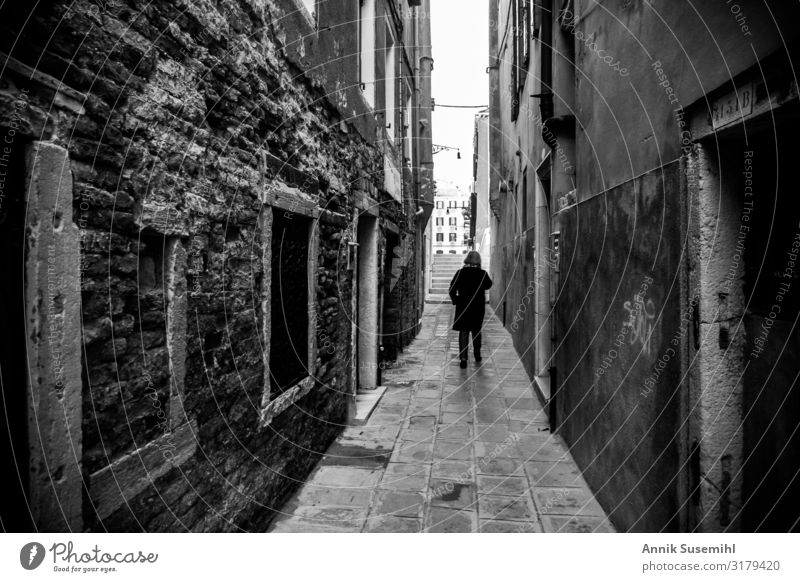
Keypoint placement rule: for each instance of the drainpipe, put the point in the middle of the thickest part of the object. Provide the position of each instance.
(495, 109)
(425, 107)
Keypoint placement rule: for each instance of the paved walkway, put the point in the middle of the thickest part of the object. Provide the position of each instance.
(448, 450)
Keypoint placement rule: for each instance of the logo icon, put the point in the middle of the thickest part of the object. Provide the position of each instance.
(31, 555)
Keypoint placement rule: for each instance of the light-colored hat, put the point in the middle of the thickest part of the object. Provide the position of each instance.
(473, 258)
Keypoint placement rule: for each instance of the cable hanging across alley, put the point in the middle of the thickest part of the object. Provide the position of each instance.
(461, 106)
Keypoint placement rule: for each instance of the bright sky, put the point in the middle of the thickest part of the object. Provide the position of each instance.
(460, 42)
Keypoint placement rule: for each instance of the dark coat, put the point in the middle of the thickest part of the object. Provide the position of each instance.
(467, 293)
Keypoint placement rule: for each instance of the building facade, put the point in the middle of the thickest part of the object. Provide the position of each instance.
(450, 224)
(214, 213)
(645, 238)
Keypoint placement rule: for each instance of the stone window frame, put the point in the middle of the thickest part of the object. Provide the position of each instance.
(295, 204)
(54, 342)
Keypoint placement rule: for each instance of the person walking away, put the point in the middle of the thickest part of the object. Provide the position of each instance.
(467, 294)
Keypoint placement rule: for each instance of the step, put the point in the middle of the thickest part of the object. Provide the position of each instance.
(434, 298)
(366, 402)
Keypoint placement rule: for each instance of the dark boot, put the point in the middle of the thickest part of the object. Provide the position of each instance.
(476, 346)
(463, 344)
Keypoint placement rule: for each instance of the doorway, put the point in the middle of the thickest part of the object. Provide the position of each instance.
(746, 378)
(391, 336)
(771, 403)
(14, 391)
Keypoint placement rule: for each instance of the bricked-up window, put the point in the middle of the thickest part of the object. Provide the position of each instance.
(144, 423)
(151, 263)
(288, 353)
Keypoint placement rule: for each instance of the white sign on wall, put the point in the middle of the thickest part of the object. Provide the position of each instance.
(733, 106)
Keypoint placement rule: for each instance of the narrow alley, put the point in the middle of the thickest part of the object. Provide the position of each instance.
(247, 243)
(448, 450)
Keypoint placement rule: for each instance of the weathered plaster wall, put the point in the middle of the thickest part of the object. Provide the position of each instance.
(619, 349)
(626, 119)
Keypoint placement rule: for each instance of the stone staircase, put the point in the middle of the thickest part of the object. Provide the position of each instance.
(443, 268)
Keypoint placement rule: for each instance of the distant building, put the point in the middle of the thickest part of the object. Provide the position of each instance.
(451, 220)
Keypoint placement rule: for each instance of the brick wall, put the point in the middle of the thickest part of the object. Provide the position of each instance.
(178, 117)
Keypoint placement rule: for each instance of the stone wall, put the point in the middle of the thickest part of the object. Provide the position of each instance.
(183, 121)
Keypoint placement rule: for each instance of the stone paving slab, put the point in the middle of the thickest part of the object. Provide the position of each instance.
(449, 450)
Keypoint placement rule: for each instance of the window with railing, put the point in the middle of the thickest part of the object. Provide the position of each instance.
(408, 124)
(366, 69)
(524, 33)
(521, 28)
(390, 82)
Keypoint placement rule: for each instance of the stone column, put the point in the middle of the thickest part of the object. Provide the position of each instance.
(717, 393)
(368, 265)
(176, 328)
(52, 275)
